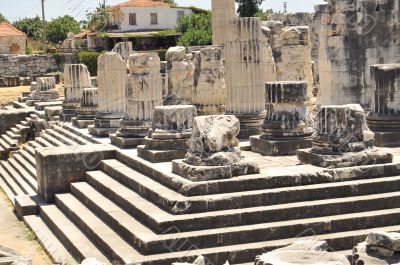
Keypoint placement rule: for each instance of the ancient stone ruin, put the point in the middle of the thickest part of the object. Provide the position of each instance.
(142, 93)
(286, 127)
(278, 144)
(169, 134)
(112, 77)
(76, 79)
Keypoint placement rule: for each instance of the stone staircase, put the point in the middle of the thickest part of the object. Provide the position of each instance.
(18, 173)
(133, 211)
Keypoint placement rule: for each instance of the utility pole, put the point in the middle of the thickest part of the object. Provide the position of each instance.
(285, 6)
(44, 29)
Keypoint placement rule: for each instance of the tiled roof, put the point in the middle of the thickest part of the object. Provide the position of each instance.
(140, 3)
(6, 29)
(83, 34)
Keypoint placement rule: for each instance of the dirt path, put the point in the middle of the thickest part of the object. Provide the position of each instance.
(9, 94)
(15, 235)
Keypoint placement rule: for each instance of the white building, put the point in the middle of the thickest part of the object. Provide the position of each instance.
(145, 15)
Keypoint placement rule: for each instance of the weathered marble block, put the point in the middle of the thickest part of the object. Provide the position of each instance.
(143, 92)
(285, 128)
(222, 11)
(170, 132)
(180, 73)
(76, 78)
(213, 151)
(44, 89)
(209, 95)
(384, 118)
(87, 110)
(124, 49)
(342, 139)
(112, 78)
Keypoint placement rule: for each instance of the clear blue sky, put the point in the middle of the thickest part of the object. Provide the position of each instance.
(15, 9)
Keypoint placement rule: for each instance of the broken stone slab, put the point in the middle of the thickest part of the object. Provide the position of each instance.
(349, 159)
(124, 49)
(364, 253)
(302, 252)
(207, 173)
(144, 63)
(387, 240)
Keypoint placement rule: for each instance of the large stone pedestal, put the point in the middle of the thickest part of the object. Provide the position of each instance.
(285, 128)
(342, 140)
(384, 119)
(171, 129)
(142, 94)
(87, 110)
(105, 124)
(213, 151)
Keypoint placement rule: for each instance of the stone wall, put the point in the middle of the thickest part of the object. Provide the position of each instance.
(30, 65)
(353, 35)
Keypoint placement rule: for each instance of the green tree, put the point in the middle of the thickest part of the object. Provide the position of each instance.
(58, 28)
(97, 20)
(195, 29)
(264, 15)
(3, 18)
(248, 8)
(32, 27)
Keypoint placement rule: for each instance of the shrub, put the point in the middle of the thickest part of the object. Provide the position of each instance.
(28, 50)
(90, 60)
(196, 30)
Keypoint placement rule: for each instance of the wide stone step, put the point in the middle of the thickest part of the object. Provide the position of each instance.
(299, 175)
(43, 142)
(151, 243)
(54, 248)
(15, 131)
(9, 140)
(51, 139)
(160, 220)
(34, 144)
(28, 156)
(82, 133)
(20, 127)
(10, 187)
(27, 177)
(178, 204)
(71, 135)
(106, 239)
(18, 179)
(71, 236)
(13, 135)
(26, 164)
(61, 138)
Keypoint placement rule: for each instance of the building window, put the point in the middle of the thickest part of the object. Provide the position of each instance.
(154, 18)
(132, 19)
(180, 15)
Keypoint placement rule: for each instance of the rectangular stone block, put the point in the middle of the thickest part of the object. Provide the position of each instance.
(278, 147)
(57, 168)
(158, 156)
(9, 118)
(125, 143)
(27, 205)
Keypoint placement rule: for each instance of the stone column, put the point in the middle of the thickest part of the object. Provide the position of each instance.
(285, 128)
(44, 90)
(222, 11)
(384, 118)
(87, 110)
(112, 75)
(342, 139)
(180, 74)
(76, 78)
(143, 92)
(124, 49)
(209, 95)
(168, 136)
(245, 62)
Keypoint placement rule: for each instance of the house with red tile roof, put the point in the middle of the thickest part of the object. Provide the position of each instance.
(145, 15)
(12, 41)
